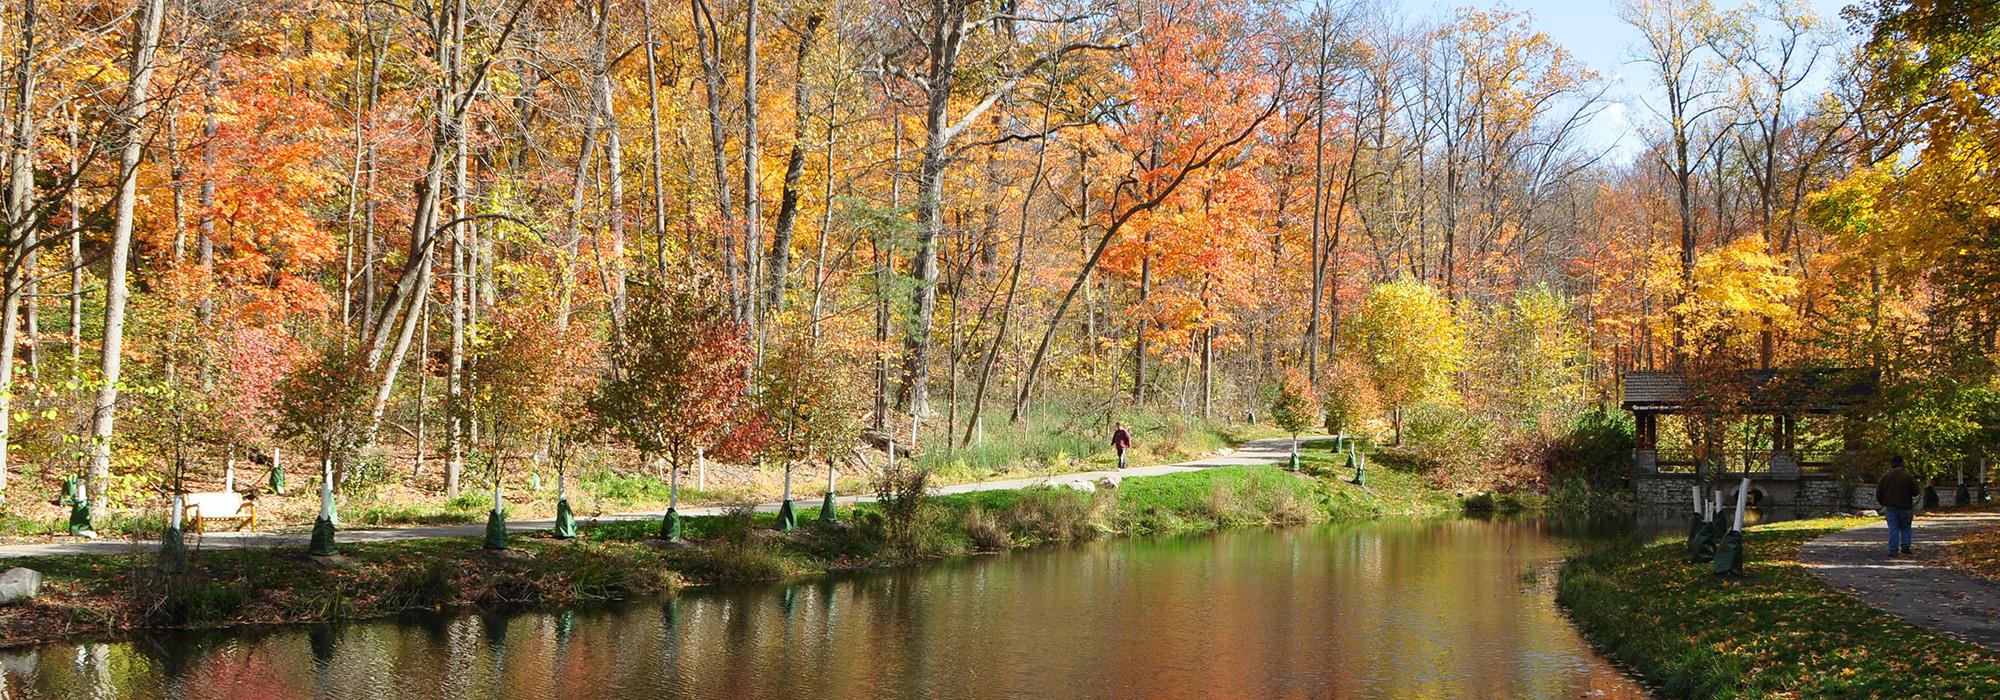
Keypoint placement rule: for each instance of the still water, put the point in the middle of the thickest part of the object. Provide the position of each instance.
(1440, 608)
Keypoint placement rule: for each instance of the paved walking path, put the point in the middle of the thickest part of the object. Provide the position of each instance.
(1263, 451)
(1925, 590)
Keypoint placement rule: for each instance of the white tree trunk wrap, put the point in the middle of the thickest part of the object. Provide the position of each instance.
(1742, 496)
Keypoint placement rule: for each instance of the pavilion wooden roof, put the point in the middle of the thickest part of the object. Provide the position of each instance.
(1764, 391)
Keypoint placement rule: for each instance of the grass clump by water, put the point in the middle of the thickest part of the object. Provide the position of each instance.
(1779, 632)
(99, 594)
(738, 551)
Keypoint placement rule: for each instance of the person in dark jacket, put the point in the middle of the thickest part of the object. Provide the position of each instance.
(1121, 440)
(1897, 492)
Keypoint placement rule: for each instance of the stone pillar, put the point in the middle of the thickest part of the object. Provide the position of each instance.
(1784, 458)
(1784, 464)
(1646, 461)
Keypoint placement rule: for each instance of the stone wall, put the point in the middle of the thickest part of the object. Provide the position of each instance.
(1820, 492)
(1808, 491)
(1663, 489)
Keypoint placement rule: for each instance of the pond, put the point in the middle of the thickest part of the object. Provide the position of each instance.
(1436, 608)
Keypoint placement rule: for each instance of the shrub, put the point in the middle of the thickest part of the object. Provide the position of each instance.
(733, 527)
(986, 532)
(1060, 514)
(424, 588)
(736, 554)
(1597, 450)
(900, 498)
(1450, 442)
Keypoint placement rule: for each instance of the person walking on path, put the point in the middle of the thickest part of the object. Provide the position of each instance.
(1897, 492)
(1121, 440)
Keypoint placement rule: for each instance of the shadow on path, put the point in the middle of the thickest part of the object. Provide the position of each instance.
(1925, 590)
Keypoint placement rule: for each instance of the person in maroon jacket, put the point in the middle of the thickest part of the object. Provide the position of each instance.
(1121, 440)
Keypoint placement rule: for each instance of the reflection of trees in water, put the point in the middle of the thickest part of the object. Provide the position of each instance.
(1416, 607)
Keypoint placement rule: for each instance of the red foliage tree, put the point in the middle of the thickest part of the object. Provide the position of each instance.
(680, 379)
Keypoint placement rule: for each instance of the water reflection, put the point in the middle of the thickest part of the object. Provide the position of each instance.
(1439, 608)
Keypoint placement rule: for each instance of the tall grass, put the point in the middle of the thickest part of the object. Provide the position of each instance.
(1064, 438)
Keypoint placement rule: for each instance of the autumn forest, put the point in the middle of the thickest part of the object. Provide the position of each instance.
(433, 242)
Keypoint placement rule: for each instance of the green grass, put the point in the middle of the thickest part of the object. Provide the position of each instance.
(468, 506)
(110, 525)
(1393, 487)
(1062, 440)
(1217, 498)
(1778, 632)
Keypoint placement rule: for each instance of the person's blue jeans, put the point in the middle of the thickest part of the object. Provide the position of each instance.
(1899, 528)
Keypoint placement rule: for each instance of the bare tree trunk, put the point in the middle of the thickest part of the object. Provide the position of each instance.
(463, 261)
(75, 258)
(614, 163)
(1139, 333)
(753, 199)
(946, 32)
(825, 225)
(360, 107)
(883, 263)
(205, 238)
(1207, 371)
(455, 376)
(453, 97)
(659, 197)
(708, 41)
(368, 206)
(424, 378)
(22, 227)
(795, 165)
(580, 177)
(137, 107)
(913, 396)
(1316, 251)
(1332, 257)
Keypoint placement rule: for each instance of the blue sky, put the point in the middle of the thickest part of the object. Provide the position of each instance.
(1591, 30)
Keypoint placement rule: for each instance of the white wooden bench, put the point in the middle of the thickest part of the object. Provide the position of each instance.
(199, 508)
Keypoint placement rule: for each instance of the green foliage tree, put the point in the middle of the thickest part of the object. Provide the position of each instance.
(1294, 408)
(1940, 426)
(1534, 364)
(323, 402)
(1410, 343)
(809, 399)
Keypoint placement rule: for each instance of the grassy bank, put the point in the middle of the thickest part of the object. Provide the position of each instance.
(105, 595)
(1778, 632)
(389, 490)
